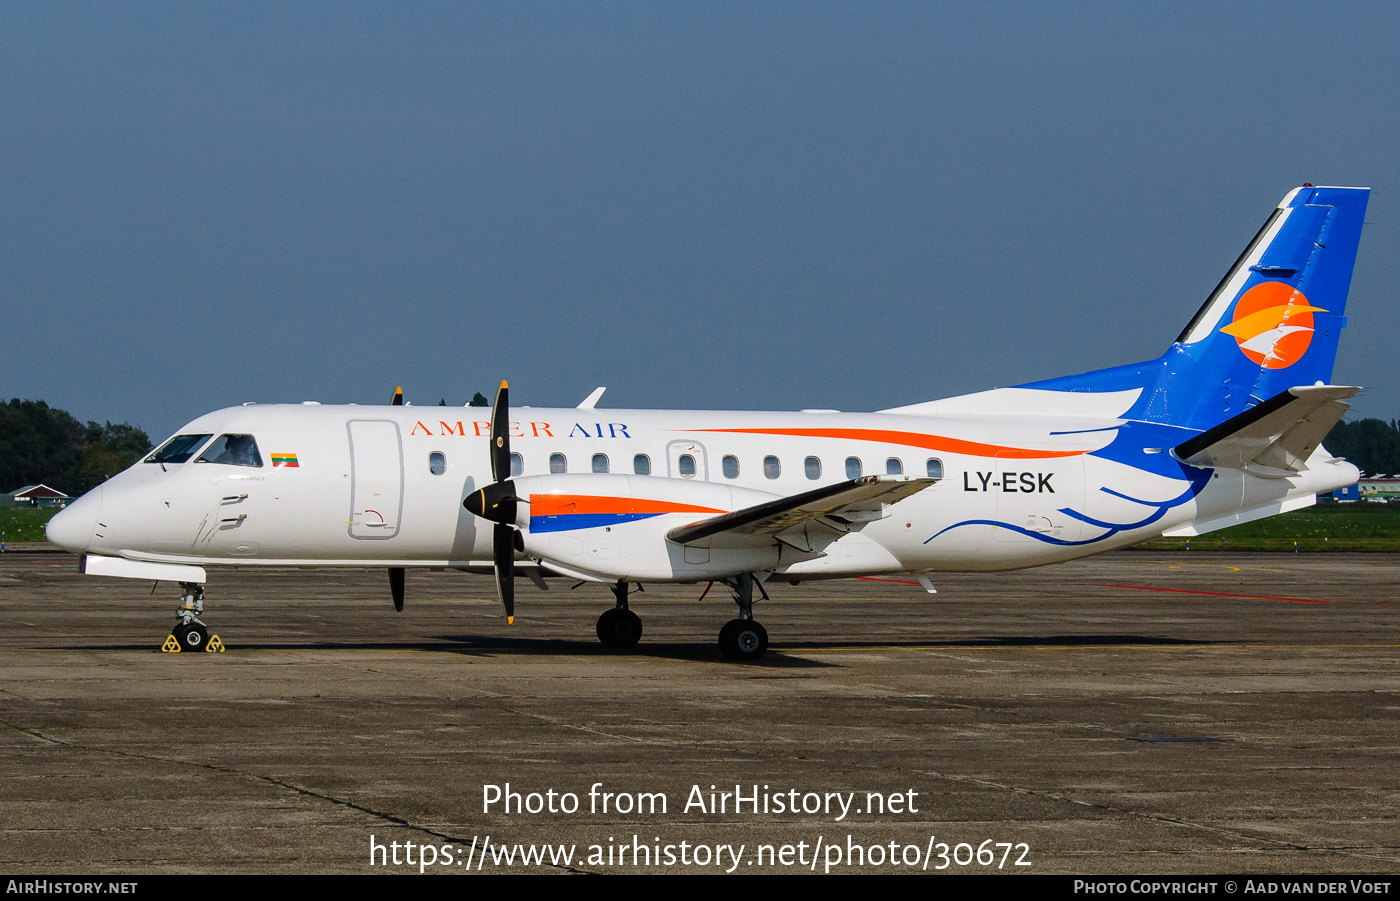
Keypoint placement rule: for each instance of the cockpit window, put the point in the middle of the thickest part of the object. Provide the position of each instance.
(235, 450)
(178, 449)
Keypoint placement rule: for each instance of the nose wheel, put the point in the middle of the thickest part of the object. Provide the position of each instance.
(189, 634)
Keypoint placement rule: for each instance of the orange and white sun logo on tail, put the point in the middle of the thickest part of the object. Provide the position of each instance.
(1273, 324)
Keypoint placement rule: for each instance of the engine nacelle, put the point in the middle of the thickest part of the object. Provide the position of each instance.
(614, 526)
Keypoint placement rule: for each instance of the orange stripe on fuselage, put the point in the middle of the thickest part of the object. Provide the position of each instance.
(567, 504)
(913, 439)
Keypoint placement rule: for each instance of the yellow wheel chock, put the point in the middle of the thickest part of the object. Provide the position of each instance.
(213, 646)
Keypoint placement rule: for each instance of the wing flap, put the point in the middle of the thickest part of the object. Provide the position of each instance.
(1279, 434)
(841, 506)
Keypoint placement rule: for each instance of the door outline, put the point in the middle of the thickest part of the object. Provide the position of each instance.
(675, 449)
(358, 526)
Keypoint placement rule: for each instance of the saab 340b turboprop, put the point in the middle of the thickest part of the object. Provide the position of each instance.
(1224, 427)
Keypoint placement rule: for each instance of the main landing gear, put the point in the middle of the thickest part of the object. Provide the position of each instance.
(740, 639)
(619, 627)
(744, 638)
(189, 634)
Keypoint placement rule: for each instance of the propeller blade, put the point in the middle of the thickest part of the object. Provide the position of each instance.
(397, 399)
(500, 435)
(503, 547)
(396, 586)
(498, 502)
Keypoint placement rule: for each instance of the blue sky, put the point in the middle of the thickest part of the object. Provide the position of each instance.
(757, 206)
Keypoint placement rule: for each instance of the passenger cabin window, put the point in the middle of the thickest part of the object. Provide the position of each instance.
(600, 462)
(641, 465)
(935, 468)
(853, 467)
(235, 450)
(686, 466)
(437, 463)
(894, 467)
(558, 464)
(772, 468)
(178, 449)
(730, 466)
(517, 465)
(812, 467)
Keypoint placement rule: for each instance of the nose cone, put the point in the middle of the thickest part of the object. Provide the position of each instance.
(72, 527)
(496, 502)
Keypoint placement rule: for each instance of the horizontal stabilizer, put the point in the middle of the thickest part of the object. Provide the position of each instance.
(1279, 434)
(853, 501)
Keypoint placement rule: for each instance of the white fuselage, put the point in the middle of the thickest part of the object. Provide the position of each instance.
(1031, 482)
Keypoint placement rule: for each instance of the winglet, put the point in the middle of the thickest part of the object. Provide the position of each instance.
(397, 399)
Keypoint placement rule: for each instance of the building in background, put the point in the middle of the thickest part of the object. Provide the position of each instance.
(36, 496)
(1379, 488)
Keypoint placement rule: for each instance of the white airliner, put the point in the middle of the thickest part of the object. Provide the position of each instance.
(1223, 428)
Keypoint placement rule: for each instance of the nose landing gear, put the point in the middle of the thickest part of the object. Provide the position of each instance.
(189, 634)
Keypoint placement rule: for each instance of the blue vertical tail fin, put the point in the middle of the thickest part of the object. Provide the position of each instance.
(1271, 324)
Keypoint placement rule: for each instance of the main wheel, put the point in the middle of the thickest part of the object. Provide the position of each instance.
(743, 639)
(618, 628)
(191, 636)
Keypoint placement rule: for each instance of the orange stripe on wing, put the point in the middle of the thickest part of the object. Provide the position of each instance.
(913, 439)
(646, 505)
(573, 504)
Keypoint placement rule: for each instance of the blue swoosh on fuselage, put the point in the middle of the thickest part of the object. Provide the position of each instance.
(1129, 447)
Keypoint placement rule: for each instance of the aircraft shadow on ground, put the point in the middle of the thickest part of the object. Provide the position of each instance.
(782, 656)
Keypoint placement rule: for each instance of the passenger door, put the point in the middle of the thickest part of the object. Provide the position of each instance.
(686, 460)
(376, 479)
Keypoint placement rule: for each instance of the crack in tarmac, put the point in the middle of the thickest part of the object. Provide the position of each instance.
(1235, 834)
(270, 780)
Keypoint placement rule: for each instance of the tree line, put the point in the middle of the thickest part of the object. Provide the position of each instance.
(1373, 445)
(39, 443)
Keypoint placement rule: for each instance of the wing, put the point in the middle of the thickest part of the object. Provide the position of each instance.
(842, 507)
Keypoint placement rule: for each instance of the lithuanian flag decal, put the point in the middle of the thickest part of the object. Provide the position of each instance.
(285, 460)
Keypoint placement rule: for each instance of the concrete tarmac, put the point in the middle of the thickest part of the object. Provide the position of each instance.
(1152, 713)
